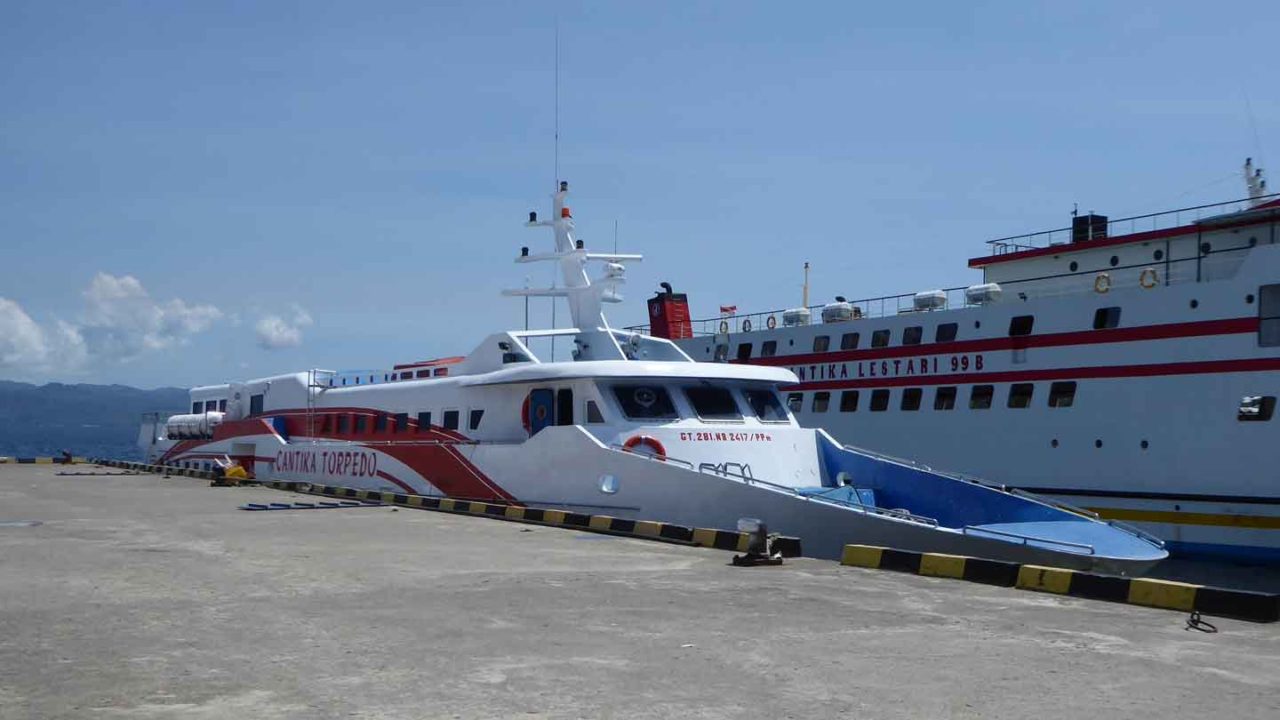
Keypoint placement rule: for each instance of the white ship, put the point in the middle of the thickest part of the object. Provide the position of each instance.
(1130, 366)
(631, 427)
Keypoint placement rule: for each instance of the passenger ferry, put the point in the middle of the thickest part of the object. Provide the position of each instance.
(1131, 366)
(630, 427)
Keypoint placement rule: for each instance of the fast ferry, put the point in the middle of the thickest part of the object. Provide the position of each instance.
(630, 427)
(1127, 365)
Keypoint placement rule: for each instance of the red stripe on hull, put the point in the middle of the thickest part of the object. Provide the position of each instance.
(1079, 373)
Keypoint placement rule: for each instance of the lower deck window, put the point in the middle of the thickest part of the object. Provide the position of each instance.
(849, 401)
(450, 419)
(879, 400)
(768, 348)
(944, 398)
(911, 398)
(821, 400)
(474, 420)
(1020, 395)
(795, 401)
(358, 423)
(1062, 394)
(980, 397)
(424, 421)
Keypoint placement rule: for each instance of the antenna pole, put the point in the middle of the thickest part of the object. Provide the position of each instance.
(804, 302)
(615, 237)
(557, 99)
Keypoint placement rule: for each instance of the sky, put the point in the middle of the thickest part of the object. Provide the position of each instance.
(197, 192)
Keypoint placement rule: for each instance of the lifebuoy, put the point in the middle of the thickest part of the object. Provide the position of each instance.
(1148, 279)
(771, 323)
(657, 451)
(724, 327)
(1102, 283)
(746, 326)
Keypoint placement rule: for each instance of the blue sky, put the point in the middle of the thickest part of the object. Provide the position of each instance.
(193, 192)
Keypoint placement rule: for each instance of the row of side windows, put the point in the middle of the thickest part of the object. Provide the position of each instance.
(209, 406)
(1061, 395)
(342, 423)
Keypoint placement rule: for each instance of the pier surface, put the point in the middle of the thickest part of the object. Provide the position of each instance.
(141, 597)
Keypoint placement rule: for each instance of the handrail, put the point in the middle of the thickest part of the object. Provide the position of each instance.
(1025, 538)
(1003, 245)
(749, 480)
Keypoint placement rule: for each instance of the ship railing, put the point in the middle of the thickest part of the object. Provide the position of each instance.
(723, 470)
(1128, 225)
(1027, 539)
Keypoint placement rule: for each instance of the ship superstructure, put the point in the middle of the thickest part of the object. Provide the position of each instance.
(1131, 366)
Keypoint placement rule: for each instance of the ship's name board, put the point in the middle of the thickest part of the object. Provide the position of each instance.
(349, 463)
(897, 367)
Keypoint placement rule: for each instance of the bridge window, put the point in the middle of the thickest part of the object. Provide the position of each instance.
(474, 421)
(946, 332)
(450, 419)
(879, 399)
(849, 401)
(644, 402)
(765, 405)
(1062, 394)
(255, 404)
(1020, 395)
(911, 399)
(402, 422)
(912, 335)
(1256, 408)
(422, 373)
(1269, 315)
(713, 403)
(880, 338)
(197, 408)
(594, 417)
(407, 375)
(1105, 318)
(980, 397)
(821, 343)
(768, 348)
(1021, 325)
(795, 402)
(849, 341)
(944, 398)
(424, 421)
(744, 351)
(222, 405)
(821, 400)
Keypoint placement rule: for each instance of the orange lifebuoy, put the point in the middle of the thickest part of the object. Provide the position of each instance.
(658, 451)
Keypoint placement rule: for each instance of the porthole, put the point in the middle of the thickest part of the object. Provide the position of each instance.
(1158, 255)
(1195, 304)
(1145, 444)
(977, 324)
(1248, 299)
(1205, 248)
(1253, 242)
(1074, 266)
(1053, 442)
(1115, 260)
(791, 342)
(1097, 443)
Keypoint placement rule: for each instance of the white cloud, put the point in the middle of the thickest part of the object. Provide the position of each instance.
(120, 322)
(275, 332)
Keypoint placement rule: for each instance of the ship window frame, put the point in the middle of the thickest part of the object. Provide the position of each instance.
(222, 405)
(1020, 395)
(451, 418)
(380, 422)
(422, 374)
(849, 341)
(744, 351)
(953, 329)
(343, 422)
(879, 400)
(1021, 325)
(821, 343)
(771, 410)
(401, 423)
(911, 399)
(821, 402)
(591, 411)
(981, 396)
(256, 403)
(474, 417)
(1266, 409)
(1106, 318)
(1062, 394)
(849, 401)
(1269, 315)
(662, 396)
(424, 421)
(944, 397)
(768, 348)
(703, 399)
(197, 407)
(795, 402)
(912, 335)
(357, 423)
(880, 338)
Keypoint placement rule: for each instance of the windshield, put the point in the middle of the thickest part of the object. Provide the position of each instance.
(713, 403)
(765, 405)
(644, 401)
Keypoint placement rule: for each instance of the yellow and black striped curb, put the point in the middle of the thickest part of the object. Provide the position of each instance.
(42, 460)
(157, 469)
(1167, 594)
(646, 529)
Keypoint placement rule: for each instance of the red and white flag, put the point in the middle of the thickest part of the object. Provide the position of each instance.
(728, 309)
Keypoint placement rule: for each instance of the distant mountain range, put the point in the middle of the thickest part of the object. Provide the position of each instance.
(88, 420)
